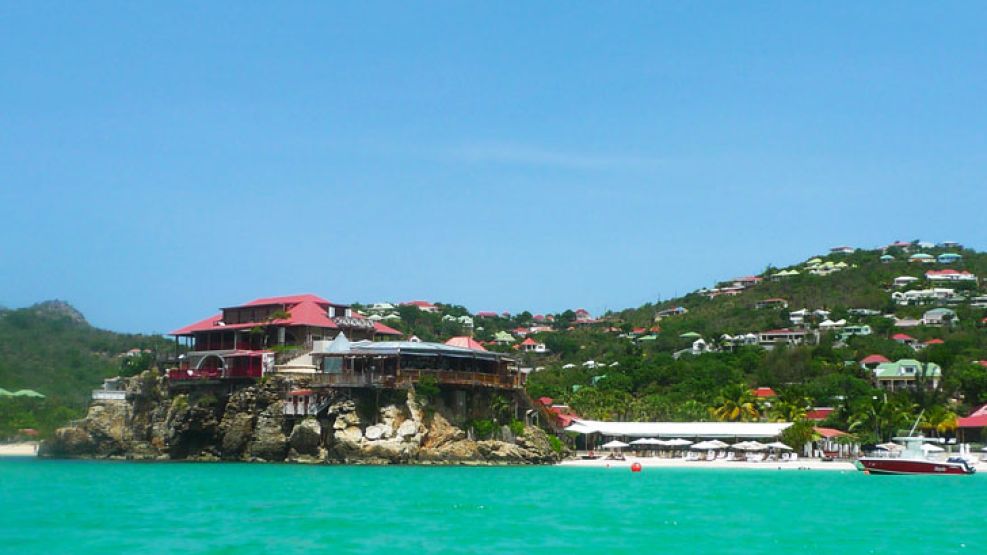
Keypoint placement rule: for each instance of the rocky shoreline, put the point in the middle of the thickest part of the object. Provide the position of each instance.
(249, 425)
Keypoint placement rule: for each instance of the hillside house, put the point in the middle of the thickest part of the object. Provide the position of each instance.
(465, 342)
(424, 306)
(529, 345)
(903, 281)
(949, 258)
(771, 303)
(854, 329)
(237, 343)
(950, 274)
(939, 317)
(784, 274)
(904, 339)
(503, 338)
(583, 315)
(746, 281)
(842, 250)
(923, 296)
(922, 258)
(907, 374)
(674, 311)
(772, 338)
(871, 362)
(887, 259)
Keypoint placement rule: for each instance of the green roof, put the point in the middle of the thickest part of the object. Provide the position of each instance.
(651, 337)
(921, 255)
(942, 311)
(690, 334)
(503, 336)
(897, 369)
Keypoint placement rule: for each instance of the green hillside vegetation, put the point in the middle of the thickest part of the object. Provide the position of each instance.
(50, 348)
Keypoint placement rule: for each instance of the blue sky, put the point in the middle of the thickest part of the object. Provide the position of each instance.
(160, 161)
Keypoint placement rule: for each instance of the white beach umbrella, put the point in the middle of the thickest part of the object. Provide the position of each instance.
(642, 441)
(677, 442)
(711, 444)
(615, 444)
(750, 446)
(779, 445)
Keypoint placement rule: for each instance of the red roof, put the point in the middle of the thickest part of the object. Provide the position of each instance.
(419, 304)
(638, 330)
(763, 392)
(972, 422)
(385, 330)
(784, 331)
(301, 392)
(465, 342)
(486, 314)
(288, 299)
(936, 341)
(874, 359)
(819, 414)
(982, 363)
(902, 337)
(829, 433)
(303, 310)
(547, 401)
(529, 341)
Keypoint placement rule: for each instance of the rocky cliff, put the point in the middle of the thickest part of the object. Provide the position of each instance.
(249, 425)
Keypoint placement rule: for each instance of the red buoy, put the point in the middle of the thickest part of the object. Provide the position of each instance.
(636, 467)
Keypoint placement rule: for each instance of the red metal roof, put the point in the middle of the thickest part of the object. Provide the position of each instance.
(902, 337)
(385, 330)
(465, 342)
(288, 299)
(874, 359)
(763, 392)
(829, 433)
(936, 341)
(529, 341)
(419, 304)
(784, 331)
(547, 401)
(972, 422)
(819, 414)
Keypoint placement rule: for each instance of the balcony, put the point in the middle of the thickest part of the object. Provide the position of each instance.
(405, 379)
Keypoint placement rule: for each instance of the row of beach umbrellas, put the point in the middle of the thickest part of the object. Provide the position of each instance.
(701, 446)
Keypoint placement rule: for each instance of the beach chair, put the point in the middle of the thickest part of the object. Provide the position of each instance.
(731, 456)
(711, 455)
(794, 457)
(722, 455)
(784, 457)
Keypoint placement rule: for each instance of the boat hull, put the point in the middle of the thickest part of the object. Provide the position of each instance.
(912, 466)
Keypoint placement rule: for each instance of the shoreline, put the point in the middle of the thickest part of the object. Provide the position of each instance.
(658, 462)
(23, 449)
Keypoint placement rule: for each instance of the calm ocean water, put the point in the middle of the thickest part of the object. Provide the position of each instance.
(114, 507)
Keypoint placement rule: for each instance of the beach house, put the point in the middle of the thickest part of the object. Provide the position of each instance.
(771, 338)
(939, 317)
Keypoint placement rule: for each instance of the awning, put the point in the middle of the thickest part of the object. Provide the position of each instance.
(681, 429)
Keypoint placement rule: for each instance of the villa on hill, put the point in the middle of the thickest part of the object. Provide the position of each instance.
(907, 374)
(331, 346)
(240, 341)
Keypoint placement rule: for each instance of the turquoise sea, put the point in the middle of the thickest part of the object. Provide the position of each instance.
(115, 507)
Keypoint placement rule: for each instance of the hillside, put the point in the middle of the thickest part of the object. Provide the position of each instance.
(635, 364)
(696, 357)
(52, 349)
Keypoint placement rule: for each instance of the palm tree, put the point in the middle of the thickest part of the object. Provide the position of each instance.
(940, 420)
(785, 411)
(736, 403)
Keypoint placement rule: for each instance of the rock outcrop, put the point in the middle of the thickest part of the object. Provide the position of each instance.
(250, 425)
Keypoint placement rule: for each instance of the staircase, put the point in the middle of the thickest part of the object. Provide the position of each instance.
(546, 418)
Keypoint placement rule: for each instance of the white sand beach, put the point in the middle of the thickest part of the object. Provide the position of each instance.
(25, 449)
(659, 462)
